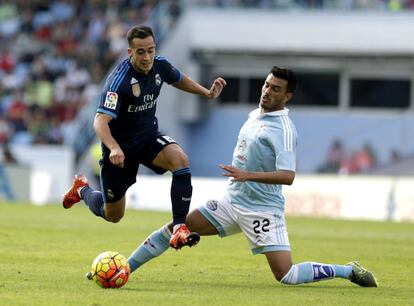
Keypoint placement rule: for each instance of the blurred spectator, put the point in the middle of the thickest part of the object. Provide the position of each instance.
(17, 115)
(366, 159)
(337, 161)
(395, 156)
(6, 158)
(361, 161)
(395, 5)
(174, 9)
(5, 130)
(334, 158)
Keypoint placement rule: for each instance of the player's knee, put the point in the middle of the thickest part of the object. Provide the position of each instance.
(114, 218)
(279, 274)
(180, 161)
(290, 277)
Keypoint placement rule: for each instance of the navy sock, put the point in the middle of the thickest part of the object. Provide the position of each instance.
(181, 192)
(94, 200)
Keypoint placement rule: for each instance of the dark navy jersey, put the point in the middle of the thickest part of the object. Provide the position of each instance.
(130, 97)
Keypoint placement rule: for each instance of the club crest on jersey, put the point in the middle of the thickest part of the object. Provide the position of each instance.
(212, 204)
(157, 79)
(261, 128)
(111, 100)
(136, 89)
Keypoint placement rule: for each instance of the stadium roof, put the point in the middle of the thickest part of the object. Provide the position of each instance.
(358, 33)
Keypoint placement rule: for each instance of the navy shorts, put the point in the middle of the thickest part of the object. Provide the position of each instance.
(115, 180)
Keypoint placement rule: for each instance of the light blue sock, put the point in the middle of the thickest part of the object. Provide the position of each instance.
(156, 244)
(307, 272)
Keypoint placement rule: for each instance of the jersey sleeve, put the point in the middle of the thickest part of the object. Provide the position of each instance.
(285, 147)
(286, 160)
(111, 97)
(109, 103)
(171, 74)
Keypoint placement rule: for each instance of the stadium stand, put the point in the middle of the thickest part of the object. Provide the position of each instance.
(391, 5)
(54, 54)
(46, 71)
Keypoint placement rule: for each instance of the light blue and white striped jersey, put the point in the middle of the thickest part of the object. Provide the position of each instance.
(266, 143)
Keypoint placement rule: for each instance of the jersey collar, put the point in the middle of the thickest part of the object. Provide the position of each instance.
(256, 113)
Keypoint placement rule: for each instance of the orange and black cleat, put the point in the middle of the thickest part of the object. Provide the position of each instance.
(183, 237)
(72, 197)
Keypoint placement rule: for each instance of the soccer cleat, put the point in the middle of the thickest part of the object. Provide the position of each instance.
(71, 196)
(183, 237)
(361, 276)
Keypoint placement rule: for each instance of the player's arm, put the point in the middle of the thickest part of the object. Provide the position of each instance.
(284, 177)
(101, 127)
(191, 86)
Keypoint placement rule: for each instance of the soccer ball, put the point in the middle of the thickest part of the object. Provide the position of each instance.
(110, 270)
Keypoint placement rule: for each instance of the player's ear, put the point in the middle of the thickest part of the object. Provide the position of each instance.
(129, 51)
(289, 96)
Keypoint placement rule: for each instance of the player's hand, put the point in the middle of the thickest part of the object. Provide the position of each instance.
(237, 174)
(216, 88)
(117, 157)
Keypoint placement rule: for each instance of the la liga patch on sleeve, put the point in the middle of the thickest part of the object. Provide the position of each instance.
(111, 100)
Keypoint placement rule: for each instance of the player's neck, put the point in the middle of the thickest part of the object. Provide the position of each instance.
(264, 111)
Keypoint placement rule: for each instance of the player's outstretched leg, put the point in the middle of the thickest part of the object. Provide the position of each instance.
(362, 276)
(72, 197)
(183, 237)
(307, 272)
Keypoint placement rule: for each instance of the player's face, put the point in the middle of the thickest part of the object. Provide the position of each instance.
(142, 52)
(274, 94)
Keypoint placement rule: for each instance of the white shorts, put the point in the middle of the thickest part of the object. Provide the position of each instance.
(265, 231)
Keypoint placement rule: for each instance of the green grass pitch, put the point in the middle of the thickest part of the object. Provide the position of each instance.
(45, 252)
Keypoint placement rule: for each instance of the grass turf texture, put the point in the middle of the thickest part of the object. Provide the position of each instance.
(45, 252)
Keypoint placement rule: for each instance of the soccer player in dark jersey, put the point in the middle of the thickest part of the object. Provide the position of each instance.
(126, 124)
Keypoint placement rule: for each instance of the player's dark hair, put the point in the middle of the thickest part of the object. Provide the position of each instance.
(139, 31)
(285, 74)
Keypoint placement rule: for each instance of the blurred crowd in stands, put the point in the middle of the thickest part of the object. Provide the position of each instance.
(53, 56)
(55, 53)
(362, 161)
(391, 5)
